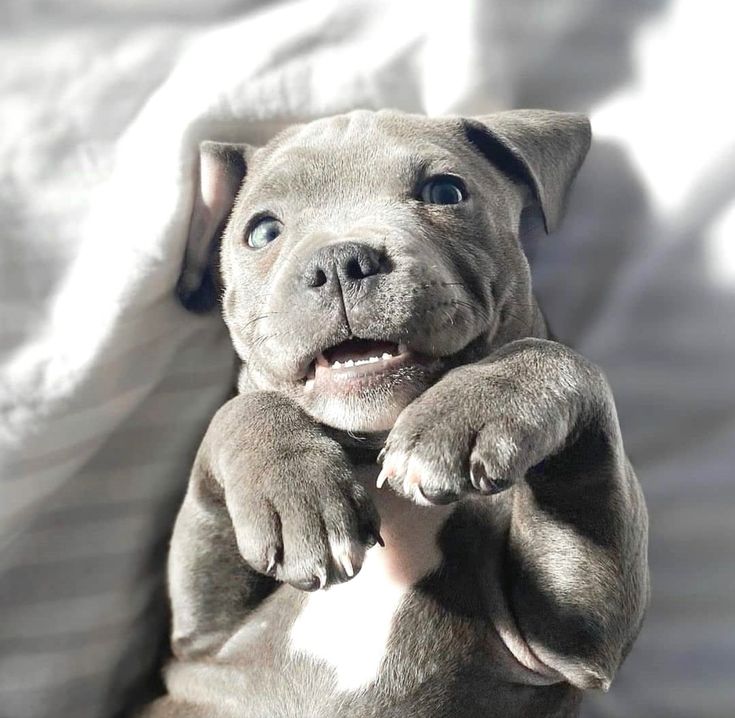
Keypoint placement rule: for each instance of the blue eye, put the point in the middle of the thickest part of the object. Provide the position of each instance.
(264, 231)
(443, 189)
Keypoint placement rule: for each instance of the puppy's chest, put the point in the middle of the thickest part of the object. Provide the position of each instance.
(348, 626)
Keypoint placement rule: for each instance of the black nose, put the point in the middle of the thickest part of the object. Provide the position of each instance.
(344, 263)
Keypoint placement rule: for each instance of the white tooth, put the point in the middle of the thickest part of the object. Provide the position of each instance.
(349, 362)
(337, 365)
(386, 355)
(372, 360)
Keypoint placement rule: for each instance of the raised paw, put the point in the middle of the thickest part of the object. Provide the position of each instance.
(306, 521)
(468, 434)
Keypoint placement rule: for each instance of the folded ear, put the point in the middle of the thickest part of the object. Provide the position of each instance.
(222, 168)
(540, 148)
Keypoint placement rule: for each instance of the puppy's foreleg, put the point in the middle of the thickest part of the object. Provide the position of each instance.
(271, 499)
(539, 420)
(577, 547)
(210, 586)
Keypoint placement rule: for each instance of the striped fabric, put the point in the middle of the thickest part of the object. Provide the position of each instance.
(106, 384)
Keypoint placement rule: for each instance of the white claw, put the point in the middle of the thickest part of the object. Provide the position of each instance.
(382, 478)
(322, 576)
(347, 565)
(409, 489)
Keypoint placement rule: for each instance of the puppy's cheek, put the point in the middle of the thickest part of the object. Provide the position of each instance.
(229, 302)
(235, 318)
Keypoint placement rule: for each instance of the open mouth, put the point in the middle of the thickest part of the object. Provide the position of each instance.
(358, 362)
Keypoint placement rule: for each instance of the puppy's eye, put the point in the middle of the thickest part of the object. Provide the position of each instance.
(264, 231)
(444, 189)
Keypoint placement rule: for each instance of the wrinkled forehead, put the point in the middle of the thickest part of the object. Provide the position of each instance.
(363, 154)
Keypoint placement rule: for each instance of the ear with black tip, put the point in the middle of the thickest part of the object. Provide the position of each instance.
(540, 148)
(222, 168)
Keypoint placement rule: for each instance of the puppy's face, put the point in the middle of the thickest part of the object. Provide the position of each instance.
(367, 254)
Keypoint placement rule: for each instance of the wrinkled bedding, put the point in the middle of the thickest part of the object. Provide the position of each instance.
(106, 383)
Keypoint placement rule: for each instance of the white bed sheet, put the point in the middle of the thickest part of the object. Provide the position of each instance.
(107, 384)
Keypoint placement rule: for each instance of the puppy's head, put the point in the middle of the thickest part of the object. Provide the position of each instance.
(366, 254)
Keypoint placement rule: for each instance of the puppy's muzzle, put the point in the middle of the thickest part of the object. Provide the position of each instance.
(343, 268)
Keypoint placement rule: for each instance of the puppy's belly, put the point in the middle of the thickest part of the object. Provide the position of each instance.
(348, 626)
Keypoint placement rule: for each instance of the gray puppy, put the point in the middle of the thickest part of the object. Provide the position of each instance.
(377, 294)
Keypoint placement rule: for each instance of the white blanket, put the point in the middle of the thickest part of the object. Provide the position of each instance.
(107, 384)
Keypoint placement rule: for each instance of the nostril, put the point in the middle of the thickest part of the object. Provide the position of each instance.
(354, 270)
(315, 276)
(319, 279)
(363, 264)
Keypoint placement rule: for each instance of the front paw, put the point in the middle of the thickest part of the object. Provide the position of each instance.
(471, 433)
(305, 521)
(297, 511)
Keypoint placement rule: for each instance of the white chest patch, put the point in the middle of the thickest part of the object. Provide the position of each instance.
(348, 626)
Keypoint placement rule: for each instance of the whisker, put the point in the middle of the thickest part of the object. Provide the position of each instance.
(267, 315)
(262, 339)
(477, 309)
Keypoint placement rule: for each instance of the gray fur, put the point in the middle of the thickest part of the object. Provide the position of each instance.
(544, 535)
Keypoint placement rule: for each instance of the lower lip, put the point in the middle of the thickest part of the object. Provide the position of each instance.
(361, 376)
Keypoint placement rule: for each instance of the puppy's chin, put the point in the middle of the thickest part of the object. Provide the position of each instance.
(364, 412)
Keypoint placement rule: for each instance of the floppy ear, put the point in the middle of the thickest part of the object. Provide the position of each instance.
(540, 148)
(222, 168)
